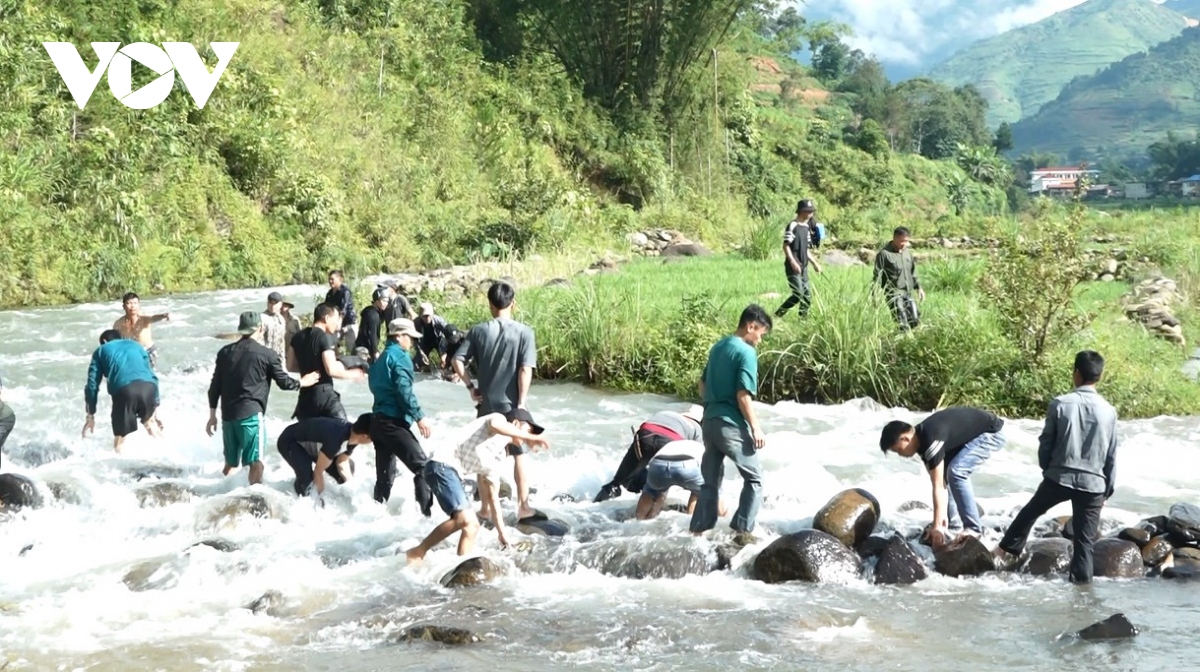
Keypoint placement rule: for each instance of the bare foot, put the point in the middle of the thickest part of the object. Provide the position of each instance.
(525, 511)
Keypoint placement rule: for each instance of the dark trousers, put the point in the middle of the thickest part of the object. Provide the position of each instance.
(8, 420)
(395, 440)
(1085, 516)
(631, 474)
(801, 294)
(904, 309)
(319, 401)
(302, 463)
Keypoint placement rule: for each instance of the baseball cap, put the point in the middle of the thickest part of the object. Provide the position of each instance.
(403, 325)
(378, 294)
(524, 416)
(426, 308)
(806, 205)
(274, 297)
(248, 322)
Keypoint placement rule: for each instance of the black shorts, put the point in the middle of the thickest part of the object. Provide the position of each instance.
(513, 449)
(136, 401)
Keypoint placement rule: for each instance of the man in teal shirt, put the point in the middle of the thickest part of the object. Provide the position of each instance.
(730, 427)
(395, 412)
(131, 383)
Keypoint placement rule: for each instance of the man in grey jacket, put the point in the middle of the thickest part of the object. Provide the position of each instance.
(896, 273)
(1077, 452)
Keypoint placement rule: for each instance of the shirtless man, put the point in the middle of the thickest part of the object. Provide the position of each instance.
(136, 326)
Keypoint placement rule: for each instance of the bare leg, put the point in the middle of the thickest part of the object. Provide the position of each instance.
(343, 467)
(523, 508)
(439, 534)
(118, 441)
(485, 499)
(470, 528)
(645, 504)
(691, 507)
(256, 472)
(153, 426)
(227, 470)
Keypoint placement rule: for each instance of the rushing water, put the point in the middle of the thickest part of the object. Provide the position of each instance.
(94, 580)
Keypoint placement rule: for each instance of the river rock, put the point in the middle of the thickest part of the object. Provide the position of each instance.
(37, 454)
(685, 250)
(147, 471)
(656, 560)
(899, 564)
(1155, 552)
(541, 524)
(64, 492)
(1183, 522)
(966, 556)
(162, 494)
(1113, 627)
(437, 633)
(873, 546)
(807, 555)
(228, 511)
(1118, 559)
(1155, 525)
(158, 574)
(913, 506)
(1187, 553)
(850, 516)
(472, 572)
(18, 492)
(1135, 534)
(269, 602)
(1043, 557)
(222, 545)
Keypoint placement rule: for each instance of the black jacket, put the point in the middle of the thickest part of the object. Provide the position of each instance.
(342, 299)
(368, 330)
(242, 379)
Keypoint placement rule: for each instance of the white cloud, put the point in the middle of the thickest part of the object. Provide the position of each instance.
(909, 32)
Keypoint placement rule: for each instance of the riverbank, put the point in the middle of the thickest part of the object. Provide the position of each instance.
(646, 326)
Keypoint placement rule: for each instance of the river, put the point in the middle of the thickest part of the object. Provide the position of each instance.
(95, 581)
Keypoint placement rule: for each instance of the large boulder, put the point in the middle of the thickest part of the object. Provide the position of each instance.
(899, 564)
(1043, 557)
(1183, 522)
(807, 555)
(966, 556)
(1118, 559)
(1137, 535)
(1187, 553)
(544, 525)
(18, 492)
(1155, 525)
(1113, 627)
(658, 558)
(472, 572)
(850, 516)
(1155, 552)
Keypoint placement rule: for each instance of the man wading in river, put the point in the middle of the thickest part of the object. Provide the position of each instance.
(339, 296)
(312, 349)
(730, 426)
(319, 446)
(131, 383)
(657, 431)
(797, 239)
(394, 414)
(273, 334)
(136, 326)
(952, 444)
(896, 273)
(241, 381)
(1078, 454)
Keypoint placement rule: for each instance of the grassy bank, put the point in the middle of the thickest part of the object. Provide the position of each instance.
(648, 327)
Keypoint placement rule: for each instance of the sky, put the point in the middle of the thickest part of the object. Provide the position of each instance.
(909, 36)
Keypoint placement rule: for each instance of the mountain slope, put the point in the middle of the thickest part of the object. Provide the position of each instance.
(1019, 71)
(1188, 8)
(1125, 107)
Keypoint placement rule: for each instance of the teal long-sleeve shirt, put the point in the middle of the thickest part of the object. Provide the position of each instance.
(391, 383)
(122, 362)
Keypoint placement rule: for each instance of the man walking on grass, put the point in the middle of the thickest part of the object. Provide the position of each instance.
(896, 273)
(797, 239)
(1077, 452)
(730, 426)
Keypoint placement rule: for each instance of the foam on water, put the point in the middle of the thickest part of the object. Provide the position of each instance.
(96, 579)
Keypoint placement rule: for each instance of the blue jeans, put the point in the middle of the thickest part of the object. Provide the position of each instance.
(958, 480)
(447, 487)
(722, 440)
(662, 474)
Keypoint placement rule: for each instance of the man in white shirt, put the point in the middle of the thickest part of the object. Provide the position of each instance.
(677, 463)
(481, 451)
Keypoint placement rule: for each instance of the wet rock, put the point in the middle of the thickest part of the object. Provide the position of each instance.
(64, 492)
(1052, 528)
(685, 250)
(1043, 557)
(472, 572)
(437, 633)
(1187, 553)
(36, 454)
(850, 516)
(269, 602)
(807, 555)
(1135, 534)
(162, 494)
(148, 471)
(1118, 559)
(157, 574)
(540, 524)
(1183, 522)
(1113, 627)
(725, 555)
(966, 556)
(18, 492)
(227, 512)
(913, 506)
(872, 546)
(222, 545)
(899, 565)
(1184, 572)
(1157, 551)
(658, 559)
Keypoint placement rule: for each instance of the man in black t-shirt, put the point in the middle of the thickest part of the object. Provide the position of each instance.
(370, 324)
(314, 349)
(797, 236)
(952, 444)
(318, 446)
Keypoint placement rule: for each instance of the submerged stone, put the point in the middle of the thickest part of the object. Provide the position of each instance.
(964, 557)
(850, 516)
(899, 564)
(1043, 557)
(269, 602)
(472, 572)
(1113, 627)
(163, 494)
(807, 555)
(18, 492)
(437, 633)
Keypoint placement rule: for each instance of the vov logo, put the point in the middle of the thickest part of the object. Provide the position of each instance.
(178, 57)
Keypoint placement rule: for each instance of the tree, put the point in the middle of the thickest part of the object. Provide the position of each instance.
(831, 60)
(1004, 138)
(1175, 157)
(869, 85)
(870, 139)
(982, 164)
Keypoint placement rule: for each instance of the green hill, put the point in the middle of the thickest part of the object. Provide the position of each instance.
(1124, 108)
(1019, 71)
(1188, 8)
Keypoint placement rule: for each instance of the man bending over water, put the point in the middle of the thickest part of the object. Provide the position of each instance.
(131, 383)
(136, 326)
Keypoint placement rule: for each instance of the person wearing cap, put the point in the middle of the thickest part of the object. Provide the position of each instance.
(395, 412)
(505, 355)
(797, 239)
(433, 338)
(370, 323)
(339, 296)
(896, 273)
(319, 446)
(676, 464)
(8, 419)
(657, 431)
(480, 449)
(398, 305)
(135, 326)
(241, 381)
(291, 324)
(274, 328)
(313, 349)
(131, 383)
